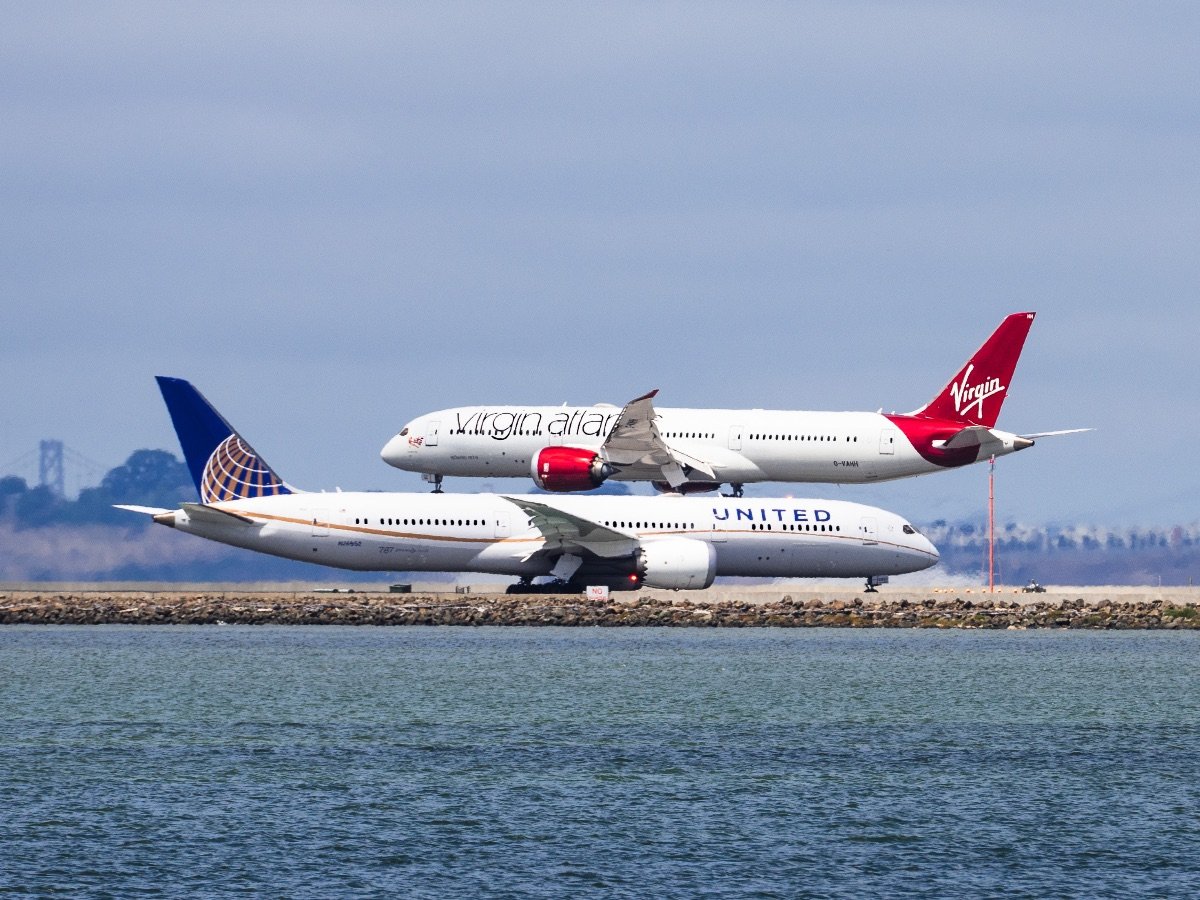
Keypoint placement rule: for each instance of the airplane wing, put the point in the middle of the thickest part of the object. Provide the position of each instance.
(635, 442)
(565, 532)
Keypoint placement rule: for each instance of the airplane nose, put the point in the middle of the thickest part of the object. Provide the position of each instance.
(927, 546)
(933, 549)
(392, 450)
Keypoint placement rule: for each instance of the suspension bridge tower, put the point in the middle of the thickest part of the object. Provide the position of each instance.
(50, 467)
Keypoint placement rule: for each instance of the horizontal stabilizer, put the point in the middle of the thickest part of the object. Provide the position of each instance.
(971, 436)
(1042, 434)
(975, 437)
(199, 512)
(146, 510)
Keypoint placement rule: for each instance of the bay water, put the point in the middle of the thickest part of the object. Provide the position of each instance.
(542, 762)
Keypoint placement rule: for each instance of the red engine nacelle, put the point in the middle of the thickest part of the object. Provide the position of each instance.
(569, 469)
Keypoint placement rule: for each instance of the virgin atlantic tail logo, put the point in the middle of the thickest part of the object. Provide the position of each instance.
(969, 396)
(235, 472)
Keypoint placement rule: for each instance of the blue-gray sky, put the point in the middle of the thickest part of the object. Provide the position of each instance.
(334, 217)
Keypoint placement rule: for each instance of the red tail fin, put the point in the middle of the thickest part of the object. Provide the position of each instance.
(975, 394)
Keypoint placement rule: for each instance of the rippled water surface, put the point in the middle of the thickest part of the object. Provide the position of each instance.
(424, 762)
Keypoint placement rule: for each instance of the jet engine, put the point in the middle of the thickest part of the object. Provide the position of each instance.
(677, 563)
(569, 469)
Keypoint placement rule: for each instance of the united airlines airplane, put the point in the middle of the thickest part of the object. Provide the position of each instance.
(622, 542)
(686, 450)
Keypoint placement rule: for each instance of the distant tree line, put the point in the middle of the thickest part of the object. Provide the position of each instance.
(147, 478)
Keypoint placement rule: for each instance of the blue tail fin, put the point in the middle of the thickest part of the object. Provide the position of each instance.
(223, 465)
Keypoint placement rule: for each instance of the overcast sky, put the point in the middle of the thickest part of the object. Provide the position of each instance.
(335, 217)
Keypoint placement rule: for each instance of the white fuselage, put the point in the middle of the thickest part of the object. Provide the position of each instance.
(741, 446)
(488, 533)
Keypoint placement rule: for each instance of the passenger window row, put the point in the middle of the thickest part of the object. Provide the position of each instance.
(392, 521)
(802, 437)
(673, 526)
(788, 526)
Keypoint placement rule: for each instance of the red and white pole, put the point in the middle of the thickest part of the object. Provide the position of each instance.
(992, 525)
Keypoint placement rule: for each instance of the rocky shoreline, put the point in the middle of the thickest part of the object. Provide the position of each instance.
(787, 610)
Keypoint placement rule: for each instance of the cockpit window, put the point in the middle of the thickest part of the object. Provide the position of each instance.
(908, 529)
(403, 431)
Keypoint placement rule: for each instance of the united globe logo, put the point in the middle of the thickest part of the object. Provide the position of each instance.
(235, 472)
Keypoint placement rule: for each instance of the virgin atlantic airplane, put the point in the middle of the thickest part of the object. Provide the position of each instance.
(577, 448)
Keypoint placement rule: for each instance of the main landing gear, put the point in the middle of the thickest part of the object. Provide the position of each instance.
(554, 586)
(735, 490)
